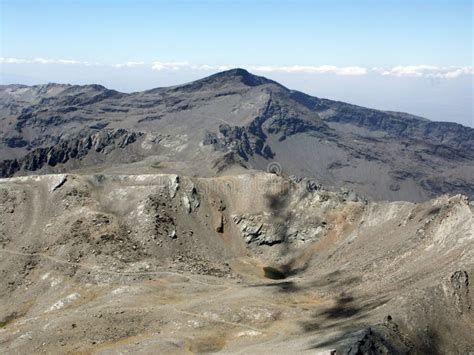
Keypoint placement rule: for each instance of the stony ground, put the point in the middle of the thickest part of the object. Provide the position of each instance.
(171, 264)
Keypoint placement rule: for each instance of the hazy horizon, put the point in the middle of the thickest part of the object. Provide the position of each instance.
(436, 99)
(410, 56)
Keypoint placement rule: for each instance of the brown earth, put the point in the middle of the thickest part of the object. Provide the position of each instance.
(171, 264)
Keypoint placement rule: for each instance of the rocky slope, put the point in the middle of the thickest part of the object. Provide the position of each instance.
(238, 120)
(104, 141)
(252, 263)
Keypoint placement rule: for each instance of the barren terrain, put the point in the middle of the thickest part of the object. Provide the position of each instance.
(232, 119)
(242, 263)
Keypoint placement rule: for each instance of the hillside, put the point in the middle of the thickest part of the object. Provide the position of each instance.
(168, 264)
(232, 120)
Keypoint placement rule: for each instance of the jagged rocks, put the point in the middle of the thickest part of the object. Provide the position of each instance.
(312, 186)
(58, 182)
(174, 185)
(14, 142)
(380, 339)
(285, 127)
(186, 204)
(249, 229)
(243, 141)
(459, 286)
(190, 198)
(256, 232)
(103, 142)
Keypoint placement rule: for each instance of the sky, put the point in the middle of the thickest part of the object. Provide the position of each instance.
(414, 56)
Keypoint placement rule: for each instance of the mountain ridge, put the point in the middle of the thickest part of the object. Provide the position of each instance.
(258, 120)
(235, 72)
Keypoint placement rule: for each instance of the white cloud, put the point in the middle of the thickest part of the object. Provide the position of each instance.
(68, 61)
(416, 71)
(225, 67)
(426, 71)
(128, 64)
(12, 61)
(170, 65)
(262, 68)
(453, 73)
(42, 61)
(410, 70)
(308, 69)
(38, 61)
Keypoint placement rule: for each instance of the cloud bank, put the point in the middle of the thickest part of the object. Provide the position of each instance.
(44, 61)
(414, 71)
(427, 71)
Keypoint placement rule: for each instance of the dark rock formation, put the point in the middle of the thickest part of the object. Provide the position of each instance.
(102, 142)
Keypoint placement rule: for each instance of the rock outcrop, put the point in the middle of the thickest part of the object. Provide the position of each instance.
(103, 142)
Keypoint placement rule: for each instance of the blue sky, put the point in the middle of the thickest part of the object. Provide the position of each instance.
(372, 33)
(312, 45)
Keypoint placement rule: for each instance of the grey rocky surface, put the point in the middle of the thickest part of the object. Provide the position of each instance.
(236, 120)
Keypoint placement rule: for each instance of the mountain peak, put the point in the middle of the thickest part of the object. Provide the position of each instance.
(234, 72)
(238, 75)
(233, 77)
